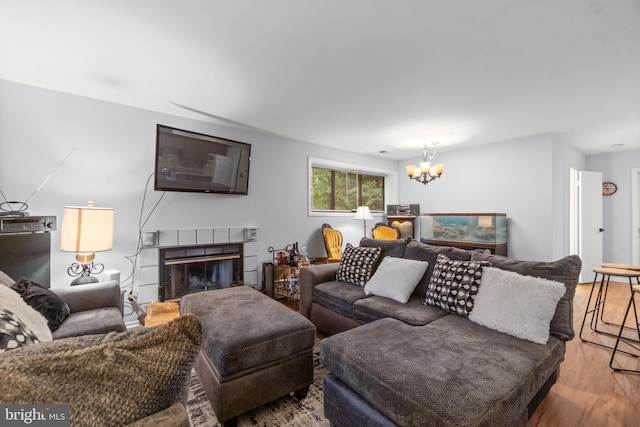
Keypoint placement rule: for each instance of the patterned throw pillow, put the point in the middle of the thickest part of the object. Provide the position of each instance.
(14, 333)
(357, 264)
(454, 284)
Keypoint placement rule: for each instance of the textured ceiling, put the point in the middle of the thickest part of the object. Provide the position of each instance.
(365, 75)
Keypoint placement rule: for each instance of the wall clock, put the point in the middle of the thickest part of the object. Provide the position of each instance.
(608, 188)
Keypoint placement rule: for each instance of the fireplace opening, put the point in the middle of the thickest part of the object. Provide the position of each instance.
(189, 269)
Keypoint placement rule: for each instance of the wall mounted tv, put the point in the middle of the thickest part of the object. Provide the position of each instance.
(190, 161)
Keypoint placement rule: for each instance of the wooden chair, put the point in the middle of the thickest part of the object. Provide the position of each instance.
(332, 243)
(384, 232)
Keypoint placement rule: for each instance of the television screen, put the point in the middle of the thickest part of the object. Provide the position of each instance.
(190, 161)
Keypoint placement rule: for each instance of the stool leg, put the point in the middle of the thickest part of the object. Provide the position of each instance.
(586, 310)
(604, 302)
(615, 347)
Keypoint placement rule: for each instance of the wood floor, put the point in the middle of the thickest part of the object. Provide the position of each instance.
(588, 393)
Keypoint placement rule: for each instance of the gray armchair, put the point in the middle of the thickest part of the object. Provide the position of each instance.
(96, 308)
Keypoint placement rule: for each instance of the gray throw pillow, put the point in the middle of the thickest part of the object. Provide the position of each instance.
(47, 303)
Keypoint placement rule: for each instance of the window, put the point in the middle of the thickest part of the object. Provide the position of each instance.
(340, 188)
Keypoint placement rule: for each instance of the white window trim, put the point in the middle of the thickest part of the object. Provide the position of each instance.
(390, 181)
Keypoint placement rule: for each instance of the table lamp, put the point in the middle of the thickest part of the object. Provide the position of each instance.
(86, 230)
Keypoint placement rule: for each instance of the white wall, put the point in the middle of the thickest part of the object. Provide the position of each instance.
(115, 156)
(616, 167)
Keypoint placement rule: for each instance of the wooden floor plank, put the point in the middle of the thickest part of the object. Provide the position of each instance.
(588, 392)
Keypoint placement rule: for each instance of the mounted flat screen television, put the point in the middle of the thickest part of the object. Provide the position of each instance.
(190, 161)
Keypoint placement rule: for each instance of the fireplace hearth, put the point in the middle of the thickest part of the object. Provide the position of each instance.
(189, 269)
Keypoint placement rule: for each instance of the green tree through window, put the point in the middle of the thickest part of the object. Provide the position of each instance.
(343, 191)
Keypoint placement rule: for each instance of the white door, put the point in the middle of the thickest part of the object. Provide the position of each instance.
(590, 222)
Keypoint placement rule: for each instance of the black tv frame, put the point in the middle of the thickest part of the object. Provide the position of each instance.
(161, 184)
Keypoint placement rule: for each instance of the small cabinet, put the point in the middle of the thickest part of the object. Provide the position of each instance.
(466, 230)
(286, 278)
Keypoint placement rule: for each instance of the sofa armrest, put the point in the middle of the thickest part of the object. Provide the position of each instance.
(310, 277)
(91, 296)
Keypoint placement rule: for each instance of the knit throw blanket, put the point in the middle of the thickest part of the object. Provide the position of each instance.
(107, 380)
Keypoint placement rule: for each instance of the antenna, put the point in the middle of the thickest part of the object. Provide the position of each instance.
(21, 211)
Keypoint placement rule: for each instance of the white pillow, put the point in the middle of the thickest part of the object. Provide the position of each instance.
(12, 301)
(396, 278)
(518, 305)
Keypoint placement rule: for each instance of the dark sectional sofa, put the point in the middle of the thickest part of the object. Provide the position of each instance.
(417, 365)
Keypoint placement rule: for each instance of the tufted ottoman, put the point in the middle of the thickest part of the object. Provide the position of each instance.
(254, 349)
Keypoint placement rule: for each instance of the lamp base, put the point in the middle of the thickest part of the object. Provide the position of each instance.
(84, 280)
(83, 273)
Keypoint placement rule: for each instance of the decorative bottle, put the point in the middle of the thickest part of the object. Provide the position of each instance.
(293, 257)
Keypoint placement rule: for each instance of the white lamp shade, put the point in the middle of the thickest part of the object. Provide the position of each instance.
(363, 212)
(86, 229)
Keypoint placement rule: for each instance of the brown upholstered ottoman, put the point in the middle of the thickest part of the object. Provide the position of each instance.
(254, 349)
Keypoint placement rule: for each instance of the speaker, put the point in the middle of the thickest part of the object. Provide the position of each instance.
(110, 275)
(414, 210)
(392, 210)
(267, 278)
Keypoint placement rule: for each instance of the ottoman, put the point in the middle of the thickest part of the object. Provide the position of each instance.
(254, 349)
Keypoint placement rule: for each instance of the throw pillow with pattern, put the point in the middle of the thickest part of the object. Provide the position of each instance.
(14, 333)
(357, 264)
(454, 284)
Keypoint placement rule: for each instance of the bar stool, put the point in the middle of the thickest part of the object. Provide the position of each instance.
(635, 289)
(597, 311)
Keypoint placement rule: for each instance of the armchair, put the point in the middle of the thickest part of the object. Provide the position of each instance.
(332, 243)
(383, 232)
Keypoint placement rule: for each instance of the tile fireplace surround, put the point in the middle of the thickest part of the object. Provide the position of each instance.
(148, 268)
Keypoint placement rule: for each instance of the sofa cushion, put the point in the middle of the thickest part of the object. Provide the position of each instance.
(565, 270)
(425, 252)
(96, 321)
(338, 296)
(11, 300)
(47, 303)
(357, 264)
(450, 372)
(394, 248)
(107, 380)
(396, 278)
(454, 284)
(13, 332)
(518, 305)
(415, 313)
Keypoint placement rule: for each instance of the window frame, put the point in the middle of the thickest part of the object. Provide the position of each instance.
(390, 181)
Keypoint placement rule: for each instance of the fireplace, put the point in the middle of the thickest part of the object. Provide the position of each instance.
(188, 269)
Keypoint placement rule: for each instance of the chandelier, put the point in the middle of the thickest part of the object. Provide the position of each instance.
(425, 172)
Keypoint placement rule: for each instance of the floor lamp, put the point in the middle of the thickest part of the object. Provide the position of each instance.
(364, 214)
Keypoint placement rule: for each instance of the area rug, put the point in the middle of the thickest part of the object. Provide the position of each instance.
(286, 411)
